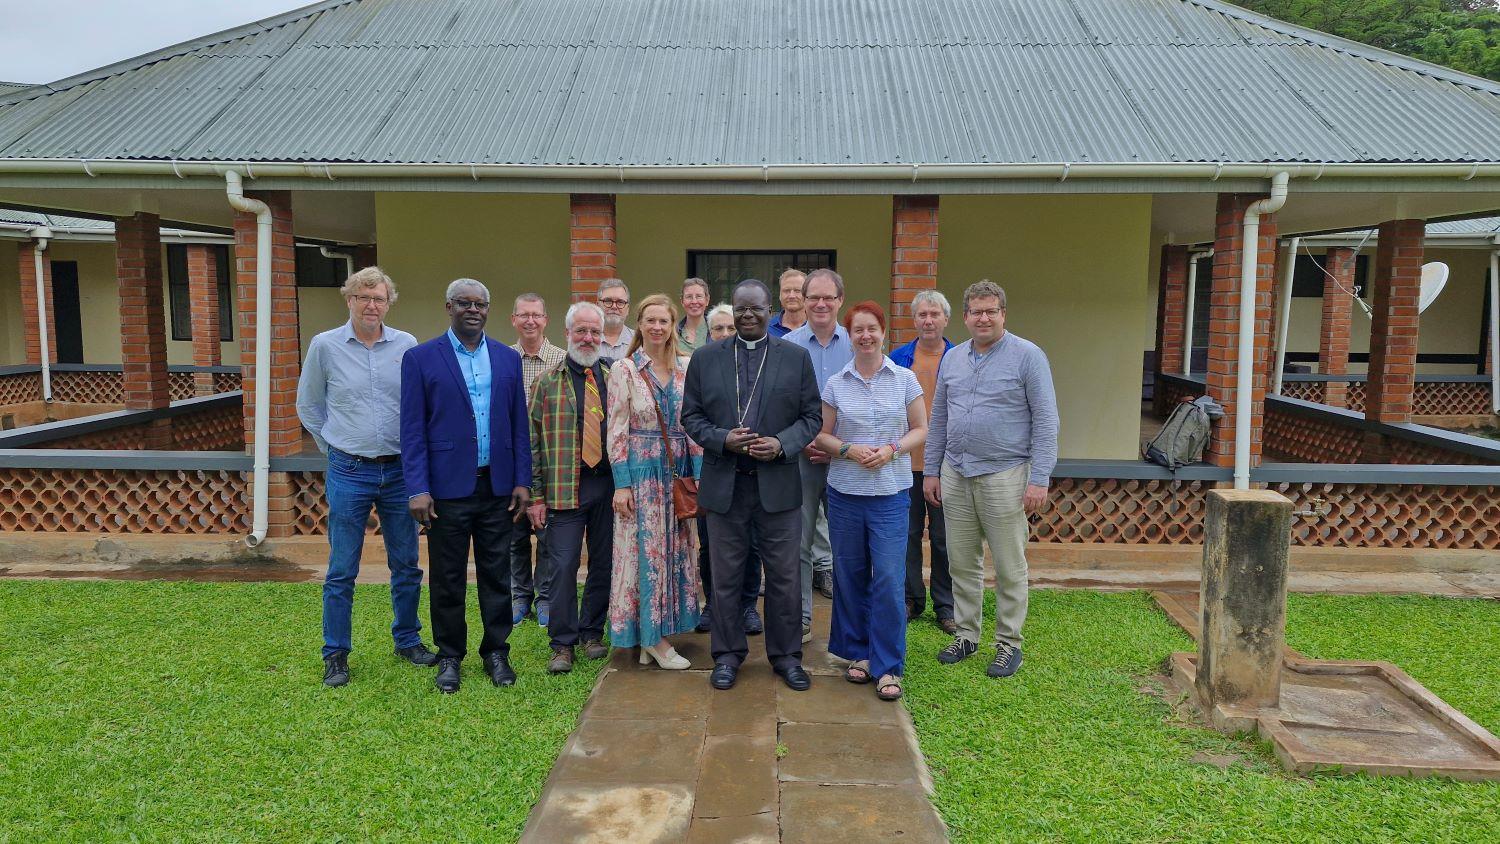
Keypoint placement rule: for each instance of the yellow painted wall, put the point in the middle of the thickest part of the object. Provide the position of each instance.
(12, 348)
(514, 243)
(656, 232)
(1449, 326)
(1083, 302)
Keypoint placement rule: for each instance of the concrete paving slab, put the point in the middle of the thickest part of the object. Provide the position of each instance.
(606, 752)
(837, 702)
(831, 814)
(737, 777)
(855, 754)
(610, 814)
(747, 709)
(753, 829)
(646, 693)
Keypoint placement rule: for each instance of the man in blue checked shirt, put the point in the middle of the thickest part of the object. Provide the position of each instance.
(349, 399)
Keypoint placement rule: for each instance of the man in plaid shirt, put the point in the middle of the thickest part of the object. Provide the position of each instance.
(573, 487)
(538, 355)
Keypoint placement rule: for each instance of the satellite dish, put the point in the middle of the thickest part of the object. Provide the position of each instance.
(1434, 278)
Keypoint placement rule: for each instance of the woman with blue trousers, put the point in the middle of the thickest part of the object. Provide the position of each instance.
(873, 416)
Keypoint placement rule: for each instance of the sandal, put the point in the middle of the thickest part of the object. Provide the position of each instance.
(858, 671)
(889, 681)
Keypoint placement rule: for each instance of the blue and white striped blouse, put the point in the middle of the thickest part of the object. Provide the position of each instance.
(871, 412)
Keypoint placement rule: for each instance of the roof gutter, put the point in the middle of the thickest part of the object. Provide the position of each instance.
(1244, 396)
(1060, 171)
(261, 465)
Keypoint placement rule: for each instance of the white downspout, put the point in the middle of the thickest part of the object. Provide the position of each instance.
(234, 189)
(347, 258)
(1192, 301)
(1495, 328)
(42, 234)
(1282, 324)
(1244, 393)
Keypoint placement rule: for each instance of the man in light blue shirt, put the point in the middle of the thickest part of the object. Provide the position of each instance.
(475, 366)
(991, 449)
(827, 343)
(349, 399)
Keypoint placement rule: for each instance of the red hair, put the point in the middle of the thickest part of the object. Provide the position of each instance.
(868, 306)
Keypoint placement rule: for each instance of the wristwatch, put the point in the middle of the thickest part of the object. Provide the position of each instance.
(844, 450)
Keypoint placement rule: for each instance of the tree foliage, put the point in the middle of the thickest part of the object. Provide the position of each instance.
(1462, 34)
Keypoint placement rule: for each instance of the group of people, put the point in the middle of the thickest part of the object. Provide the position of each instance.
(820, 462)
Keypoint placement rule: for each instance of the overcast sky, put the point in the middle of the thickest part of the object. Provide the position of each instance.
(47, 41)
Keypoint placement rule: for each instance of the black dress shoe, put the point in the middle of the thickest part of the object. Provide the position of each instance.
(823, 582)
(796, 677)
(704, 622)
(336, 670)
(753, 625)
(499, 670)
(723, 676)
(417, 654)
(448, 676)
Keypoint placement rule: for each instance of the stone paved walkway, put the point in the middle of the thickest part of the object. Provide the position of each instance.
(661, 756)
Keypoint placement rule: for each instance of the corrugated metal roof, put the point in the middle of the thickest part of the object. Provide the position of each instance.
(101, 227)
(691, 82)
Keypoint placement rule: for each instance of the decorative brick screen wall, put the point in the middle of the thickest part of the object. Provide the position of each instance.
(20, 388)
(123, 501)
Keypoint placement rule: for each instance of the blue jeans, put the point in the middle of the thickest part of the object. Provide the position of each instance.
(868, 535)
(355, 484)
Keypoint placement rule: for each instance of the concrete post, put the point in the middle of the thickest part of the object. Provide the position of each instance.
(1247, 536)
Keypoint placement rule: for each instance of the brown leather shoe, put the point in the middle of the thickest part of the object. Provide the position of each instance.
(595, 649)
(561, 662)
(948, 626)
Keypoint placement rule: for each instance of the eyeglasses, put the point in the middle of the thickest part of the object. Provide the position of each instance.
(614, 303)
(525, 317)
(469, 304)
(992, 313)
(589, 333)
(752, 309)
(370, 300)
(822, 298)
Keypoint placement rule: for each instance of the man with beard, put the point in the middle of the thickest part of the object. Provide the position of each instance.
(752, 402)
(572, 487)
(467, 463)
(614, 298)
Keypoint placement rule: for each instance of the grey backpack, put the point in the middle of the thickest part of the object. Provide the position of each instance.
(1185, 434)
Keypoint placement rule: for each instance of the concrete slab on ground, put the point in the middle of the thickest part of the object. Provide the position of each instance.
(662, 756)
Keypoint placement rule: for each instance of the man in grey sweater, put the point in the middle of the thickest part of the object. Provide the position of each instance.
(991, 448)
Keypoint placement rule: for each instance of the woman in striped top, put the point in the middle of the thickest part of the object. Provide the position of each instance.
(873, 416)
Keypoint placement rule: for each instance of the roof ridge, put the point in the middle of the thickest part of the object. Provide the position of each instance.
(1345, 45)
(184, 47)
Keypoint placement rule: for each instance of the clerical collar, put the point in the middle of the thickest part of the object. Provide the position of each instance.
(751, 345)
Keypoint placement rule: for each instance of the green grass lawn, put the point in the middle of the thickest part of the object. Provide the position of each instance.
(170, 711)
(1072, 750)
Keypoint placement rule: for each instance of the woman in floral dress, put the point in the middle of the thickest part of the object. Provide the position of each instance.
(654, 585)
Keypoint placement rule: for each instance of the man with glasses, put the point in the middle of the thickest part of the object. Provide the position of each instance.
(349, 399)
(991, 448)
(529, 318)
(467, 453)
(828, 344)
(614, 298)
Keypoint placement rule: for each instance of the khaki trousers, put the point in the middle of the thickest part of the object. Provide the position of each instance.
(987, 508)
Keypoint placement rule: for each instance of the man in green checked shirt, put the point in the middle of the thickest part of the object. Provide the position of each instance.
(573, 488)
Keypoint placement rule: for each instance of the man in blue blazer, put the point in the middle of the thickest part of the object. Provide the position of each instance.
(466, 453)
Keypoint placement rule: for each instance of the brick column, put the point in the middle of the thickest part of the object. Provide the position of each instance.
(1338, 310)
(285, 431)
(29, 325)
(203, 292)
(1393, 332)
(1223, 324)
(914, 255)
(591, 242)
(143, 324)
(1171, 319)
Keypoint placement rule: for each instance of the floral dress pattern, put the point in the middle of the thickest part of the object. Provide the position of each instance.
(654, 584)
